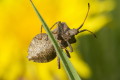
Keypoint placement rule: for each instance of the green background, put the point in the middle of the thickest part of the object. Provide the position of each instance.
(103, 54)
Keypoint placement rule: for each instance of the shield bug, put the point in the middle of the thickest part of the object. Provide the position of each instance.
(41, 49)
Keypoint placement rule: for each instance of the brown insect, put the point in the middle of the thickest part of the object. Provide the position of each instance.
(41, 49)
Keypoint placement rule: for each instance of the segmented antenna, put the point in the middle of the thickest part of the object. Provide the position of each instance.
(85, 17)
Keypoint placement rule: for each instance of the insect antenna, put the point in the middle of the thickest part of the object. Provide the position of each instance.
(84, 22)
(85, 17)
(88, 31)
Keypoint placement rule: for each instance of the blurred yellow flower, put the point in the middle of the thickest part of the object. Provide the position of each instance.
(19, 24)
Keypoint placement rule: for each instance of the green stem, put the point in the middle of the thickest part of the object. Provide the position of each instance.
(73, 75)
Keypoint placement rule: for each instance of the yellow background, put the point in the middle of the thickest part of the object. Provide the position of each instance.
(19, 24)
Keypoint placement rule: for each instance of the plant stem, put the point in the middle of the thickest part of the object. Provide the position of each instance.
(72, 74)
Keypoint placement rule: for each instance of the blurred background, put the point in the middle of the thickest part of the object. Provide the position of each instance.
(94, 59)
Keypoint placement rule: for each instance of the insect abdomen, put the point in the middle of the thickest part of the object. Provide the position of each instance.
(41, 50)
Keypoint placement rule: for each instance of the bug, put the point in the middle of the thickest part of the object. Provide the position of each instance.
(41, 49)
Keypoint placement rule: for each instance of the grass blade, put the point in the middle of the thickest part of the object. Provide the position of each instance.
(72, 74)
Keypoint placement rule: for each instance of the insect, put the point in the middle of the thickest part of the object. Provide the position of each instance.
(41, 49)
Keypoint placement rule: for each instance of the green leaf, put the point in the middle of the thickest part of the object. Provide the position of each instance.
(73, 75)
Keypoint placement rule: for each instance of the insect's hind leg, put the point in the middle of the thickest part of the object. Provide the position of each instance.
(41, 32)
(58, 60)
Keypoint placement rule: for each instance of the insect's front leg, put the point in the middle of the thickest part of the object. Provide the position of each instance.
(55, 30)
(54, 25)
(69, 45)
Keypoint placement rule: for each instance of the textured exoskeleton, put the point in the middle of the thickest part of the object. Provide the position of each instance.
(41, 49)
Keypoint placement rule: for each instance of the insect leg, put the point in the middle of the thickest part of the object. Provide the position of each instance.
(41, 32)
(58, 59)
(55, 31)
(68, 54)
(88, 31)
(69, 45)
(54, 25)
(85, 17)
